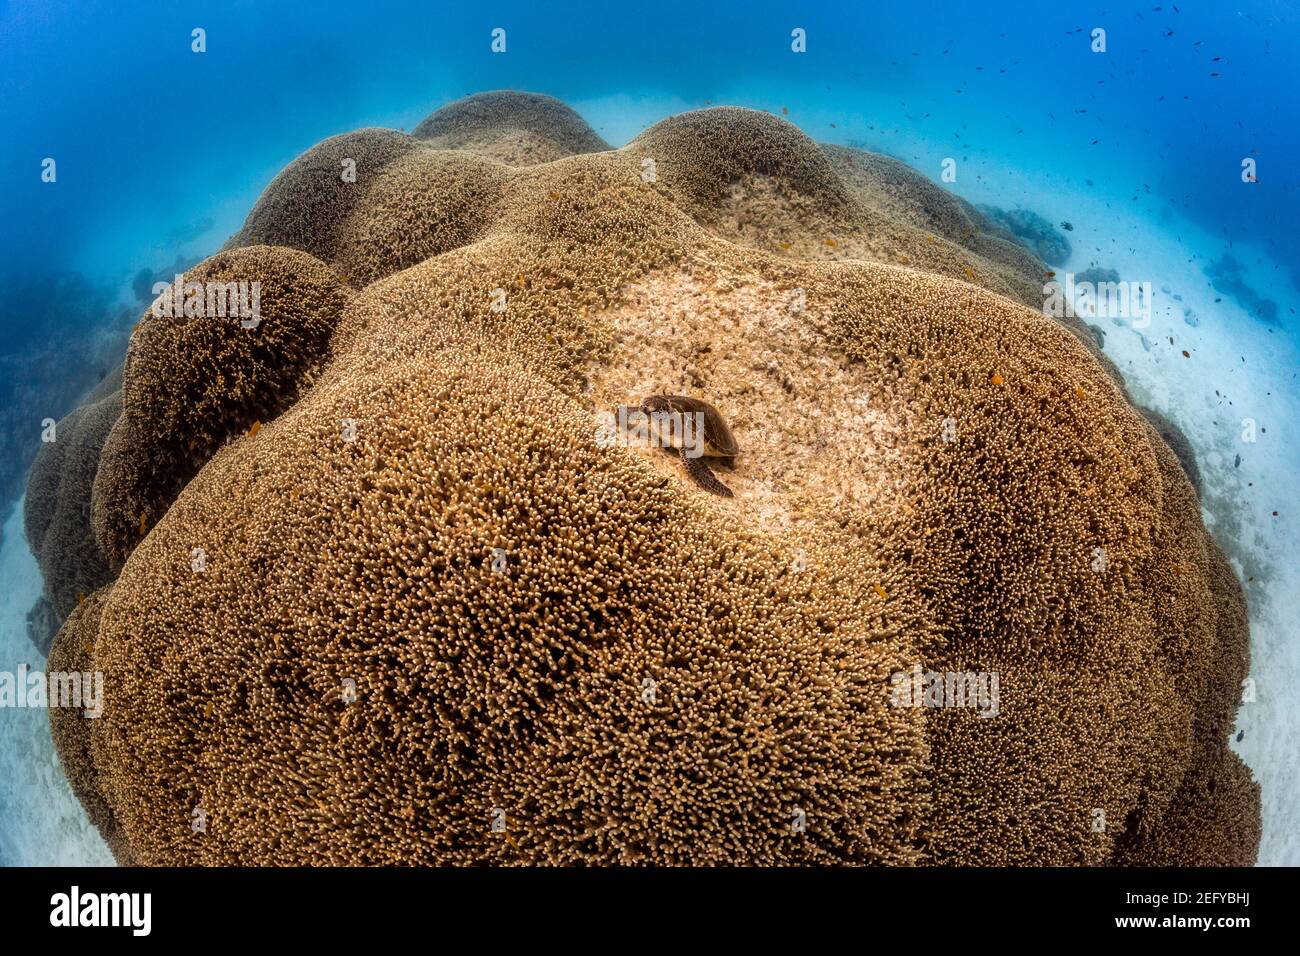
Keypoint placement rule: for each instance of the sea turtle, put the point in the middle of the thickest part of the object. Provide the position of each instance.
(676, 420)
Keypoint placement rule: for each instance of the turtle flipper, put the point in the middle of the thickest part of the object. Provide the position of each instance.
(704, 476)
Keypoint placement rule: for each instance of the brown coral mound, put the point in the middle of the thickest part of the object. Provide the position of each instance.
(900, 207)
(56, 512)
(518, 129)
(701, 154)
(306, 205)
(468, 630)
(73, 652)
(192, 382)
(426, 203)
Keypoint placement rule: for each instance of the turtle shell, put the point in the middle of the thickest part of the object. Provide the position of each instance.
(718, 440)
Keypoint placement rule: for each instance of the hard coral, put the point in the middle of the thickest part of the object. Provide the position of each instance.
(56, 511)
(518, 129)
(191, 383)
(465, 631)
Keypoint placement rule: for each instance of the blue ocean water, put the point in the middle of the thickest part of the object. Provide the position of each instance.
(161, 151)
(156, 144)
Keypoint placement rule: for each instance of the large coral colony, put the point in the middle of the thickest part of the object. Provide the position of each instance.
(365, 588)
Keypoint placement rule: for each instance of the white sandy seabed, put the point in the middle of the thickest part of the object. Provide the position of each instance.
(1238, 369)
(41, 822)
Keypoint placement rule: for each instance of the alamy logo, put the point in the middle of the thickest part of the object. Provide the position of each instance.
(103, 909)
(215, 300)
(1113, 300)
(660, 429)
(976, 690)
(76, 690)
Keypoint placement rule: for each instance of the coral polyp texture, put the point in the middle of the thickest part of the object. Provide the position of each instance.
(440, 621)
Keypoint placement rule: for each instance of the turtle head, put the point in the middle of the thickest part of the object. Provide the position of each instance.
(657, 403)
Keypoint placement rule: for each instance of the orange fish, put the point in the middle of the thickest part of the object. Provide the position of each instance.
(90, 648)
(832, 243)
(970, 273)
(1051, 275)
(997, 378)
(257, 427)
(881, 591)
(81, 598)
(1079, 391)
(553, 195)
(785, 245)
(143, 519)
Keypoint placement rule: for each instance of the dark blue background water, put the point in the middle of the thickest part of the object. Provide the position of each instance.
(160, 150)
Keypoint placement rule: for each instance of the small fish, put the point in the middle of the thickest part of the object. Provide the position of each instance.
(997, 378)
(929, 239)
(881, 591)
(1078, 390)
(970, 273)
(257, 427)
(785, 111)
(1186, 354)
(81, 598)
(1051, 275)
(1068, 227)
(552, 195)
(832, 243)
(1240, 734)
(1237, 462)
(785, 245)
(207, 710)
(143, 519)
